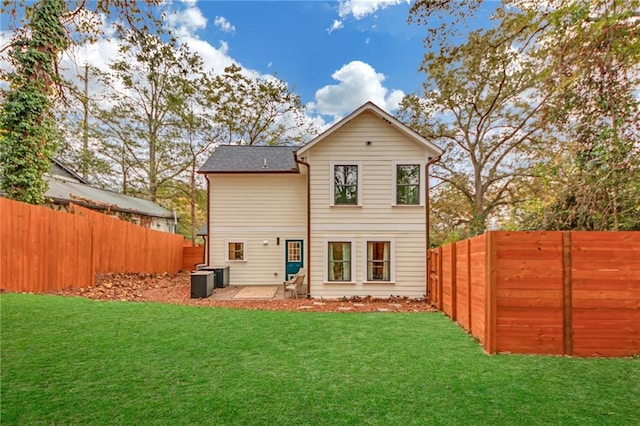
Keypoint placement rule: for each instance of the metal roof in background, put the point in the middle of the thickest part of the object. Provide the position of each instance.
(63, 190)
(251, 159)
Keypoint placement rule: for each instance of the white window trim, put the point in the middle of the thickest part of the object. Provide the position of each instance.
(392, 260)
(325, 265)
(332, 188)
(226, 250)
(394, 182)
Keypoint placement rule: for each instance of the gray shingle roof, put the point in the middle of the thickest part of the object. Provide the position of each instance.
(251, 159)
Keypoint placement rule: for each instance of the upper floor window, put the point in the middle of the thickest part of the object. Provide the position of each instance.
(346, 184)
(407, 184)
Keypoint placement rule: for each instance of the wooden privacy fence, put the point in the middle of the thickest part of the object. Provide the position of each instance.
(566, 293)
(44, 250)
(191, 256)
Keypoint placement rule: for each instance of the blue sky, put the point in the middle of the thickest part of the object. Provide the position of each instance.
(335, 54)
(294, 39)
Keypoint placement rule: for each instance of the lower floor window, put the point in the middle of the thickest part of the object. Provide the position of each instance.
(378, 261)
(236, 251)
(339, 261)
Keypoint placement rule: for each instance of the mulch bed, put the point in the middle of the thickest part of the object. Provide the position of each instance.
(176, 289)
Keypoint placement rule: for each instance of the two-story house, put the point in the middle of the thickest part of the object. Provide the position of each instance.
(349, 206)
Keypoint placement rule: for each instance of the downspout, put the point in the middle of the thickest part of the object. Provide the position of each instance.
(207, 239)
(299, 161)
(427, 218)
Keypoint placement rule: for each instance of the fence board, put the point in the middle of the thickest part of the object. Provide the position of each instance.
(46, 250)
(191, 256)
(148, 251)
(462, 293)
(546, 292)
(477, 250)
(606, 292)
(449, 280)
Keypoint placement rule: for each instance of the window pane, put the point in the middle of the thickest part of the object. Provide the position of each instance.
(408, 184)
(346, 195)
(236, 251)
(295, 251)
(345, 184)
(351, 175)
(409, 175)
(378, 261)
(339, 261)
(408, 194)
(346, 175)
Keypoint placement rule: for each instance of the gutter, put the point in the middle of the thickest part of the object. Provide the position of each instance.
(308, 260)
(427, 218)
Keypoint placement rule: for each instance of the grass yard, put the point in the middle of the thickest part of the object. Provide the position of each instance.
(76, 361)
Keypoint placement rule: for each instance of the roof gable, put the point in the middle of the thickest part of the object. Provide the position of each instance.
(371, 107)
(251, 159)
(58, 169)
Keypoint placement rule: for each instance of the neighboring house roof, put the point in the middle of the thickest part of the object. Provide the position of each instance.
(65, 186)
(371, 107)
(59, 169)
(251, 159)
(203, 231)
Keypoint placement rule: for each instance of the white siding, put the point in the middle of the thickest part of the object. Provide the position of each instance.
(410, 265)
(254, 209)
(377, 216)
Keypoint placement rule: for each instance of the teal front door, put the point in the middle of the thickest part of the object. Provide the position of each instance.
(293, 256)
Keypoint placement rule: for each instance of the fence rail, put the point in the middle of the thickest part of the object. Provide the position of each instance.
(45, 250)
(572, 293)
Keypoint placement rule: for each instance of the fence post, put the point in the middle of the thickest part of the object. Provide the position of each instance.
(567, 324)
(491, 308)
(454, 278)
(429, 281)
(439, 274)
(469, 286)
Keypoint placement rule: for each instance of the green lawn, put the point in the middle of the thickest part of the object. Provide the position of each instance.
(76, 361)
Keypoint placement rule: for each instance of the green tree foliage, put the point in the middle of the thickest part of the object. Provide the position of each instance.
(187, 191)
(140, 126)
(259, 110)
(80, 145)
(28, 135)
(476, 104)
(578, 61)
(593, 75)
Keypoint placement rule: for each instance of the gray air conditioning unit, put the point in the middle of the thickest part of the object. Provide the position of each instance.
(201, 284)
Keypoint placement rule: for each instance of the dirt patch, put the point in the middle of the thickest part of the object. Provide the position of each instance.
(176, 289)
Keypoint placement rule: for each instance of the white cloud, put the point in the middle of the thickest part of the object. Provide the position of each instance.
(223, 25)
(5, 65)
(187, 21)
(358, 83)
(216, 59)
(337, 24)
(361, 8)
